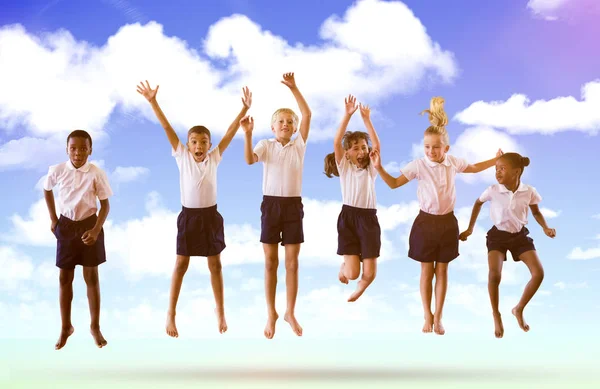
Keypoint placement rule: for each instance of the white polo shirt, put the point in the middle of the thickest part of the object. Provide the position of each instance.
(197, 180)
(508, 210)
(358, 185)
(436, 191)
(282, 166)
(78, 189)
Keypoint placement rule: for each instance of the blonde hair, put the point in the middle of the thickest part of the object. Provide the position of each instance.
(285, 110)
(438, 119)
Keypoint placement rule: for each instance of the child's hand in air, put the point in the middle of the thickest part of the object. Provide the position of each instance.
(247, 98)
(375, 158)
(350, 103)
(550, 232)
(499, 153)
(465, 234)
(146, 91)
(289, 80)
(247, 124)
(365, 111)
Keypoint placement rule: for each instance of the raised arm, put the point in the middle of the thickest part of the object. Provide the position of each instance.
(235, 125)
(247, 124)
(385, 176)
(290, 82)
(537, 214)
(478, 167)
(474, 214)
(150, 95)
(350, 108)
(365, 113)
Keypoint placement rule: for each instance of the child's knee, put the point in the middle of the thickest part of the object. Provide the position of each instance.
(494, 277)
(271, 263)
(214, 266)
(66, 277)
(182, 263)
(291, 264)
(90, 275)
(538, 274)
(369, 276)
(351, 273)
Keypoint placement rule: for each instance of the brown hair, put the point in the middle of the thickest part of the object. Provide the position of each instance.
(438, 119)
(516, 161)
(80, 134)
(199, 130)
(349, 139)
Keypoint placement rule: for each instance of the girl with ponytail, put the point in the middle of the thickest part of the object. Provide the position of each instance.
(359, 234)
(510, 199)
(434, 235)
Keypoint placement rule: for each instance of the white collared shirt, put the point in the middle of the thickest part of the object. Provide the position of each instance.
(197, 180)
(508, 210)
(358, 185)
(435, 191)
(78, 188)
(282, 166)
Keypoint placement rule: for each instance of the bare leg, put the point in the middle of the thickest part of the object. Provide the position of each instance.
(90, 275)
(368, 275)
(292, 251)
(537, 276)
(216, 281)
(181, 266)
(271, 265)
(495, 262)
(441, 286)
(65, 299)
(427, 271)
(350, 269)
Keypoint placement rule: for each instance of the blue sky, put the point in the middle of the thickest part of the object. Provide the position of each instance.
(518, 75)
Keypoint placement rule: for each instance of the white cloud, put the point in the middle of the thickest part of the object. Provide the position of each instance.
(546, 9)
(562, 285)
(549, 213)
(392, 167)
(518, 116)
(30, 153)
(128, 174)
(79, 85)
(16, 267)
(252, 284)
(596, 216)
(584, 254)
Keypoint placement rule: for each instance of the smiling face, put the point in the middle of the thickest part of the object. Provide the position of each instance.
(78, 149)
(358, 153)
(434, 146)
(199, 145)
(284, 126)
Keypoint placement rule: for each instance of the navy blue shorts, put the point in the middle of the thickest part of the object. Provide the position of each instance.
(281, 220)
(358, 232)
(200, 232)
(517, 243)
(434, 238)
(70, 249)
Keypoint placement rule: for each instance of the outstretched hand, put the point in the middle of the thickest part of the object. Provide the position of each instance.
(146, 91)
(464, 235)
(499, 153)
(289, 80)
(350, 103)
(365, 111)
(247, 97)
(247, 124)
(375, 158)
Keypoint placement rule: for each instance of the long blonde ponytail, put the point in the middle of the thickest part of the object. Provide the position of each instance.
(438, 119)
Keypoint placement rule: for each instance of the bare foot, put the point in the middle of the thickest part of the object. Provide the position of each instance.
(270, 327)
(498, 327)
(291, 319)
(428, 326)
(171, 327)
(62, 339)
(341, 275)
(438, 327)
(221, 320)
(98, 338)
(519, 315)
(357, 293)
